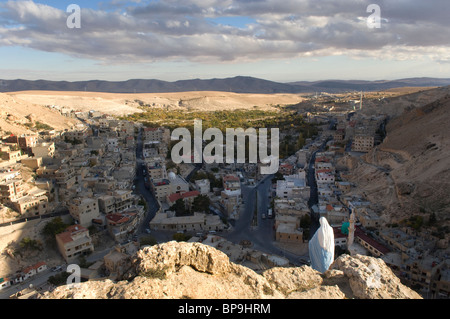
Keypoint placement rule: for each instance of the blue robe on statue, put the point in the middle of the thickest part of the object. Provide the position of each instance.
(321, 247)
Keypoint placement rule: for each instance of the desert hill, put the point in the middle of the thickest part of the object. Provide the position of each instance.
(123, 104)
(195, 271)
(403, 100)
(336, 86)
(19, 116)
(409, 172)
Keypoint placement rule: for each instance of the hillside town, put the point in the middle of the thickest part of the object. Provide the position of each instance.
(110, 180)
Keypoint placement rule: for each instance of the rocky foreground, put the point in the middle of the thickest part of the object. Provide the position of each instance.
(193, 270)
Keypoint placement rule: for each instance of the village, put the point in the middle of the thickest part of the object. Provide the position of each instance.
(112, 181)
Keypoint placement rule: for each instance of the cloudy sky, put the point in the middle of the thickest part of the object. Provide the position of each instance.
(280, 40)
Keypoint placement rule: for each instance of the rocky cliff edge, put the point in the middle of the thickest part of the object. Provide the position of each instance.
(197, 271)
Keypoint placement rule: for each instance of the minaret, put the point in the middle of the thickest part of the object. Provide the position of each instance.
(360, 101)
(351, 230)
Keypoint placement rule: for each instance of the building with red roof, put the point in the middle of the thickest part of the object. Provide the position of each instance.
(122, 225)
(187, 197)
(363, 240)
(74, 242)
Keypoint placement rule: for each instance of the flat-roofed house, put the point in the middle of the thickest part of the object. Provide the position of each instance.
(74, 242)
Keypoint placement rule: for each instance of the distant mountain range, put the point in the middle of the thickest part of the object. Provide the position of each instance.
(239, 84)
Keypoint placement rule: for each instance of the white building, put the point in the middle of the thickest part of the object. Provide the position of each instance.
(293, 186)
(203, 186)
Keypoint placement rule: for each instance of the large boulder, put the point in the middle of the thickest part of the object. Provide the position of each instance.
(196, 271)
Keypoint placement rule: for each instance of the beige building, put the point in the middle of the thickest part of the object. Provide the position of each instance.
(161, 188)
(122, 225)
(159, 134)
(230, 201)
(231, 182)
(9, 155)
(338, 135)
(156, 170)
(44, 150)
(203, 186)
(197, 222)
(165, 187)
(79, 134)
(26, 142)
(11, 190)
(283, 206)
(363, 143)
(37, 205)
(74, 242)
(84, 210)
(288, 233)
(65, 177)
(117, 260)
(32, 162)
(368, 218)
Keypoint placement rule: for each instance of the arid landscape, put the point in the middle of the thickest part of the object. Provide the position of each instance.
(19, 109)
(409, 172)
(122, 104)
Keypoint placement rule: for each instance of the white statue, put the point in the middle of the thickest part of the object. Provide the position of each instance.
(321, 247)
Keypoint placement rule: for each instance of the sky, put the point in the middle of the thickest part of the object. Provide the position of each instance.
(284, 41)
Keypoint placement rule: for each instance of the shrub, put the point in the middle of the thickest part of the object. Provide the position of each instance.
(154, 273)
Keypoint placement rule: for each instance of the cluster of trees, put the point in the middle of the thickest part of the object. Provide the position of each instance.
(287, 121)
(222, 120)
(54, 227)
(200, 205)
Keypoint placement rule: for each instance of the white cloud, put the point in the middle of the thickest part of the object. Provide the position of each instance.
(169, 29)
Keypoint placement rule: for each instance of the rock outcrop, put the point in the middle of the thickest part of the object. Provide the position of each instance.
(196, 271)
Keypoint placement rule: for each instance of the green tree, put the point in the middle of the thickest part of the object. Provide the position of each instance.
(179, 207)
(300, 141)
(305, 221)
(180, 237)
(148, 241)
(30, 244)
(201, 204)
(59, 279)
(54, 227)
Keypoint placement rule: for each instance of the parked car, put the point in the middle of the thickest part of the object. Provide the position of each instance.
(56, 268)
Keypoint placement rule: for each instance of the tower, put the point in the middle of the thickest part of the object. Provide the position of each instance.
(361, 101)
(351, 230)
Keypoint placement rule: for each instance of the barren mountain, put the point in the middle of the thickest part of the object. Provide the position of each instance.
(122, 104)
(17, 115)
(195, 271)
(395, 106)
(409, 172)
(238, 84)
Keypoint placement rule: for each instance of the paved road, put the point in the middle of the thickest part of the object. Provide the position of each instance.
(152, 203)
(314, 197)
(262, 236)
(36, 281)
(27, 219)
